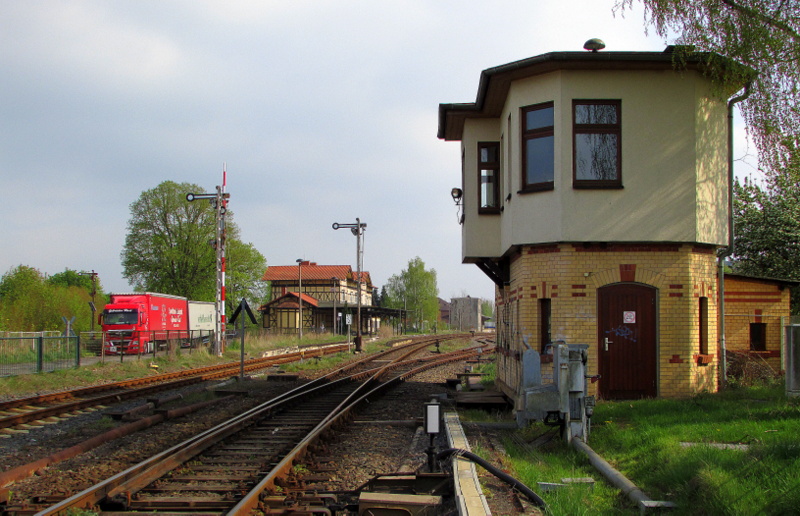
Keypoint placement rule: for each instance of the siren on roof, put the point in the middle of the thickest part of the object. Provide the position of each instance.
(594, 44)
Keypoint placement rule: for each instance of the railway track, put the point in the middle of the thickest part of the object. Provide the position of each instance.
(229, 468)
(45, 408)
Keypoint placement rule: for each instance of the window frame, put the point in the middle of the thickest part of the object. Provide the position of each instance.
(703, 325)
(531, 134)
(545, 324)
(758, 336)
(614, 129)
(495, 167)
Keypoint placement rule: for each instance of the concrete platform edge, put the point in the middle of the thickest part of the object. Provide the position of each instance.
(469, 496)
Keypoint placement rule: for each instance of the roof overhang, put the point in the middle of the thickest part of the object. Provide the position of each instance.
(495, 82)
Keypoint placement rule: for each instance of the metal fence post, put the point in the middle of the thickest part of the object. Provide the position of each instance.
(39, 353)
(77, 350)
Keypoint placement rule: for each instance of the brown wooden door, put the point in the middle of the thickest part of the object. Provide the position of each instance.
(627, 341)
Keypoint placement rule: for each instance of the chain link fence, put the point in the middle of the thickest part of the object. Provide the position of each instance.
(43, 352)
(37, 353)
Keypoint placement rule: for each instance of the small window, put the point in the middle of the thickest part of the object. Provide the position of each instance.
(596, 144)
(489, 177)
(538, 147)
(545, 325)
(507, 164)
(758, 336)
(703, 324)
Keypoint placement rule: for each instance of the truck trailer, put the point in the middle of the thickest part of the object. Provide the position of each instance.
(141, 322)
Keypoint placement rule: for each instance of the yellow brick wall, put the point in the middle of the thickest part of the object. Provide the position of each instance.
(570, 275)
(749, 300)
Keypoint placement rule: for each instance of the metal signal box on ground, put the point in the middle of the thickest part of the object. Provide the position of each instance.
(564, 402)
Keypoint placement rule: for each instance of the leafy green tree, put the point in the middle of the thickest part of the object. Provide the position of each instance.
(763, 35)
(245, 268)
(415, 289)
(767, 230)
(487, 308)
(24, 300)
(381, 298)
(71, 278)
(31, 302)
(19, 281)
(169, 248)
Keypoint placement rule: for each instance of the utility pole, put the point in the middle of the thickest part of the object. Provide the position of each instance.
(335, 292)
(92, 306)
(300, 295)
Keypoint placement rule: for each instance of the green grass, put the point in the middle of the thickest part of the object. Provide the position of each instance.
(642, 440)
(314, 363)
(139, 366)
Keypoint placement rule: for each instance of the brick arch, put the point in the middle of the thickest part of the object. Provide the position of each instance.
(641, 275)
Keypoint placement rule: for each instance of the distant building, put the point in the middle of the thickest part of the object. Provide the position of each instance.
(756, 311)
(444, 312)
(324, 287)
(330, 300)
(465, 314)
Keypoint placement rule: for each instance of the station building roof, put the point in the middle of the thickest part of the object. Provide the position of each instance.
(291, 300)
(311, 271)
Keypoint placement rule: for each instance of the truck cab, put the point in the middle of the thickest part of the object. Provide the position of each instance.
(124, 326)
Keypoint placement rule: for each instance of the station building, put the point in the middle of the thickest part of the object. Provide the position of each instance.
(595, 194)
(329, 295)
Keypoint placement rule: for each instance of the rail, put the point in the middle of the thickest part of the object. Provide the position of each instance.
(81, 398)
(266, 430)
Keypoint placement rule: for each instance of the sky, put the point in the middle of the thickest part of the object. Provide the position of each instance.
(320, 111)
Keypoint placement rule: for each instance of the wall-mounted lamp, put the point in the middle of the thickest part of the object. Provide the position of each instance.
(457, 194)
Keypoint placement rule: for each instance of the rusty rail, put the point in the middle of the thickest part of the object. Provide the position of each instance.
(123, 390)
(121, 486)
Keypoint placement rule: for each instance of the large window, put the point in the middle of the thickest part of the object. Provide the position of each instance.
(489, 177)
(538, 140)
(597, 152)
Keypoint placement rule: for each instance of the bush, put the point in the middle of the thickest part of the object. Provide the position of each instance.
(747, 370)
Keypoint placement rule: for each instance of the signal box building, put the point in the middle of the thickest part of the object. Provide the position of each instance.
(594, 192)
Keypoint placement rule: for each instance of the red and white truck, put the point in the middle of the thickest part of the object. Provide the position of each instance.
(140, 322)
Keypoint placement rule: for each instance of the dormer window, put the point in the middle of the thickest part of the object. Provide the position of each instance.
(596, 144)
(489, 167)
(538, 156)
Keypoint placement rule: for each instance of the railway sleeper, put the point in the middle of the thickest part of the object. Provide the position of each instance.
(219, 477)
(203, 488)
(180, 503)
(272, 447)
(231, 469)
(260, 441)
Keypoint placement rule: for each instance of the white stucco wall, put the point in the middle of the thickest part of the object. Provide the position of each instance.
(674, 171)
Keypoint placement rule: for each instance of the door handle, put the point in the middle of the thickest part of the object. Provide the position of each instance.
(606, 342)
